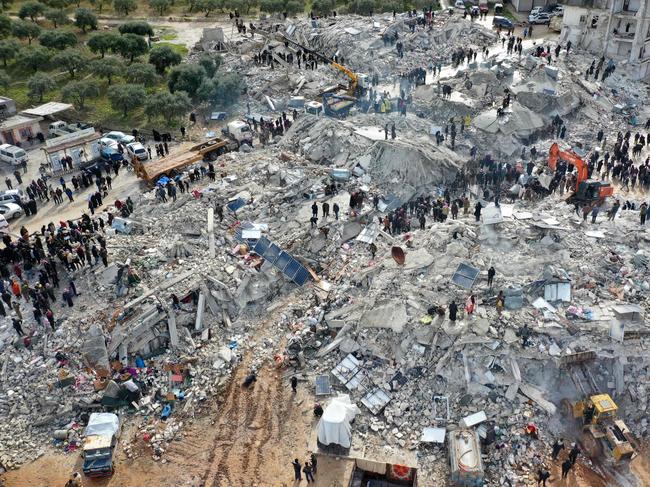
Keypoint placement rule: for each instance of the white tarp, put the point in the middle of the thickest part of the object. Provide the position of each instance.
(334, 426)
(103, 424)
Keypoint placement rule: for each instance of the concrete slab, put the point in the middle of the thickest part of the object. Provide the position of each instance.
(389, 314)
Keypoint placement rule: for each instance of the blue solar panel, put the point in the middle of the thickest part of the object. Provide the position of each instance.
(272, 254)
(283, 261)
(262, 246)
(301, 276)
(291, 269)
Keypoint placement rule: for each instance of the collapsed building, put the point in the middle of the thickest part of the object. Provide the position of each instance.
(366, 326)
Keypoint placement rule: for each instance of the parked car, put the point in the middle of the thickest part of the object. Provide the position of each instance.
(540, 18)
(106, 142)
(12, 154)
(502, 22)
(498, 8)
(110, 154)
(558, 11)
(118, 136)
(13, 196)
(483, 7)
(460, 4)
(137, 151)
(475, 11)
(535, 10)
(10, 211)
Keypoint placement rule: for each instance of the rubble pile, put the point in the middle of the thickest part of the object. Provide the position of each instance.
(196, 279)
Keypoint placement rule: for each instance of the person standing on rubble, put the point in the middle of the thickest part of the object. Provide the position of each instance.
(373, 250)
(643, 212)
(566, 467)
(490, 275)
(613, 211)
(453, 311)
(393, 134)
(542, 476)
(385, 134)
(297, 467)
(326, 210)
(573, 453)
(17, 324)
(557, 447)
(294, 384)
(314, 209)
(477, 211)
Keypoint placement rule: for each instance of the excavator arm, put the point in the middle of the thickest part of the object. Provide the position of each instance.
(354, 79)
(554, 154)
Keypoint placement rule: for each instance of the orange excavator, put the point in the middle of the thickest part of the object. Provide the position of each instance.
(586, 190)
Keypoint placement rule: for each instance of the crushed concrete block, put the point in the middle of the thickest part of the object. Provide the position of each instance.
(391, 314)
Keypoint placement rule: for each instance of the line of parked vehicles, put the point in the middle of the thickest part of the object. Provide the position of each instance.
(538, 15)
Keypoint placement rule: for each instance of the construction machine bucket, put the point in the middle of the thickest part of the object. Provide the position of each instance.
(398, 255)
(577, 358)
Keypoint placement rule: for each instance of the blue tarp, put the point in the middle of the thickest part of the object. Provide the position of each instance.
(236, 204)
(163, 181)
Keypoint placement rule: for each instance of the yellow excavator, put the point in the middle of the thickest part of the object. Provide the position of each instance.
(603, 433)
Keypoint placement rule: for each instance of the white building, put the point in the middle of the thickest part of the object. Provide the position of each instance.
(616, 29)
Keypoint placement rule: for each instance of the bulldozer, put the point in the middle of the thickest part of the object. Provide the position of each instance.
(586, 190)
(604, 435)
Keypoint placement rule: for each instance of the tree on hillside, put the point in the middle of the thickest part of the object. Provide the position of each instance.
(5, 26)
(58, 39)
(79, 91)
(99, 4)
(323, 7)
(162, 57)
(271, 6)
(32, 10)
(210, 63)
(141, 74)
(59, 4)
(107, 68)
(38, 85)
(57, 17)
(102, 42)
(241, 5)
(130, 46)
(33, 57)
(168, 106)
(4, 4)
(126, 97)
(26, 30)
(8, 50)
(209, 6)
(187, 78)
(139, 28)
(125, 7)
(85, 19)
(221, 90)
(71, 59)
(160, 6)
(4, 80)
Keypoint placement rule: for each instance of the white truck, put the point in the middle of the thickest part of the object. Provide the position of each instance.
(238, 131)
(59, 128)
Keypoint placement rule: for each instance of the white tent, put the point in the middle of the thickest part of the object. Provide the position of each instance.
(334, 426)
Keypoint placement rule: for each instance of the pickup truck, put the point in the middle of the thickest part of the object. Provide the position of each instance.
(100, 440)
(60, 127)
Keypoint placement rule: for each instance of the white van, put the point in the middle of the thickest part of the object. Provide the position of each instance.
(12, 154)
(4, 226)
